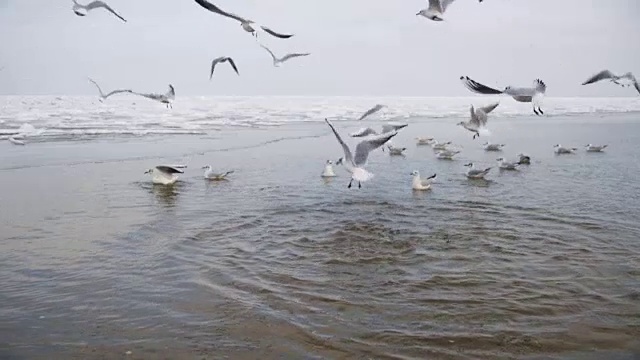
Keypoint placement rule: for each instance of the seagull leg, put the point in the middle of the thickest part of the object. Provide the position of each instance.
(349, 186)
(541, 112)
(536, 111)
(359, 185)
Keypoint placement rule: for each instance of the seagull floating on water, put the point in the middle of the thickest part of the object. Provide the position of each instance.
(524, 159)
(421, 141)
(79, 8)
(440, 146)
(478, 119)
(624, 80)
(104, 97)
(355, 164)
(595, 148)
(371, 111)
(395, 151)
(247, 25)
(278, 61)
(435, 10)
(447, 154)
(532, 95)
(473, 173)
(222, 59)
(559, 149)
(164, 175)
(419, 183)
(503, 164)
(328, 169)
(492, 147)
(165, 99)
(210, 175)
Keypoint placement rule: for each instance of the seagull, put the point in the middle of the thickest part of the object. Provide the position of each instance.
(492, 147)
(524, 159)
(446, 154)
(93, 5)
(423, 141)
(222, 59)
(596, 148)
(246, 24)
(440, 146)
(277, 62)
(387, 128)
(210, 175)
(478, 119)
(104, 97)
(164, 175)
(559, 149)
(435, 10)
(624, 80)
(507, 165)
(355, 164)
(371, 111)
(165, 99)
(533, 94)
(419, 183)
(475, 173)
(395, 151)
(15, 141)
(328, 169)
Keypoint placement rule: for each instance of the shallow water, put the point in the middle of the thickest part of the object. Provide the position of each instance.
(277, 263)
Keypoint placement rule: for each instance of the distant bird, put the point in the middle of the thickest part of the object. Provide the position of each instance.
(447, 154)
(278, 61)
(435, 10)
(419, 183)
(15, 141)
(473, 173)
(423, 141)
(395, 151)
(104, 97)
(440, 146)
(328, 169)
(165, 99)
(492, 147)
(559, 149)
(596, 148)
(79, 8)
(222, 59)
(247, 25)
(164, 175)
(371, 111)
(478, 119)
(390, 127)
(624, 80)
(524, 159)
(532, 95)
(355, 164)
(507, 165)
(210, 175)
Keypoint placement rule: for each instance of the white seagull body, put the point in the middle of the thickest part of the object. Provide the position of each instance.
(423, 141)
(492, 147)
(478, 119)
(277, 61)
(395, 151)
(624, 80)
(446, 154)
(596, 148)
(533, 94)
(355, 164)
(371, 111)
(559, 149)
(435, 10)
(507, 165)
(222, 59)
(210, 175)
(328, 170)
(476, 173)
(79, 8)
(440, 146)
(248, 25)
(104, 96)
(164, 175)
(163, 98)
(421, 184)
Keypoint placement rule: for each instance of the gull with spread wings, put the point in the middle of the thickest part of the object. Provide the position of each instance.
(478, 119)
(222, 59)
(277, 61)
(532, 95)
(104, 97)
(163, 98)
(435, 10)
(83, 10)
(624, 80)
(247, 25)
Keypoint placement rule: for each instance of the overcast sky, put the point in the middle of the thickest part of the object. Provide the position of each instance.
(359, 47)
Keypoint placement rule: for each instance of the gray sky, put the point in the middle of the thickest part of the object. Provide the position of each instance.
(359, 47)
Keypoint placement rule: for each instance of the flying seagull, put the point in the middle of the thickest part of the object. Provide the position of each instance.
(222, 59)
(533, 94)
(435, 10)
(246, 24)
(79, 8)
(385, 129)
(355, 164)
(623, 80)
(165, 99)
(478, 119)
(164, 175)
(104, 97)
(277, 62)
(371, 111)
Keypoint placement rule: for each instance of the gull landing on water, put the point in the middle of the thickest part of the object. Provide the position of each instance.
(247, 25)
(624, 80)
(104, 97)
(478, 119)
(165, 99)
(222, 59)
(532, 95)
(83, 10)
(164, 175)
(419, 183)
(210, 175)
(277, 62)
(355, 164)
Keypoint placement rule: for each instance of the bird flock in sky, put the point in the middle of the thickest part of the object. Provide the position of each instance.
(355, 161)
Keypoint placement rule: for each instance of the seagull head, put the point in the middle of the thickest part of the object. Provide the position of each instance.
(588, 145)
(340, 161)
(415, 173)
(421, 12)
(148, 171)
(556, 145)
(461, 123)
(329, 162)
(500, 159)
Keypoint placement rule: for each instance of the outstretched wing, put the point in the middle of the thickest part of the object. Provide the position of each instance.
(363, 132)
(100, 4)
(435, 6)
(371, 111)
(345, 148)
(392, 127)
(273, 33)
(171, 94)
(477, 87)
(270, 52)
(366, 146)
(604, 74)
(289, 56)
(636, 85)
(489, 108)
(445, 4)
(233, 65)
(209, 6)
(540, 86)
(169, 169)
(213, 65)
(117, 92)
(98, 86)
